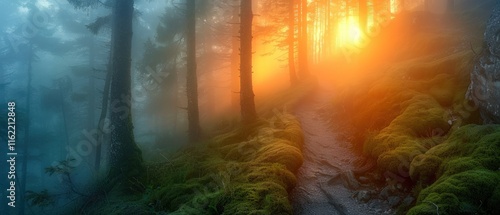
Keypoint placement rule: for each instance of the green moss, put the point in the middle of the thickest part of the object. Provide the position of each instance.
(468, 169)
(281, 152)
(432, 69)
(459, 165)
(493, 202)
(467, 192)
(436, 203)
(404, 138)
(247, 171)
(413, 119)
(423, 168)
(259, 198)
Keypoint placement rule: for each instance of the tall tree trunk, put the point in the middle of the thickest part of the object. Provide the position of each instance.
(303, 39)
(291, 42)
(62, 87)
(299, 32)
(175, 96)
(194, 129)
(126, 164)
(91, 88)
(248, 112)
(91, 96)
(235, 60)
(363, 15)
(381, 6)
(327, 39)
(104, 111)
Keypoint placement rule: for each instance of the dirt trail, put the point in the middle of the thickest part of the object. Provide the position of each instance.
(326, 184)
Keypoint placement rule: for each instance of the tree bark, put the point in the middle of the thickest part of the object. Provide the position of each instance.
(248, 112)
(291, 42)
(126, 164)
(91, 94)
(327, 39)
(102, 118)
(303, 39)
(194, 129)
(175, 95)
(235, 60)
(381, 6)
(363, 15)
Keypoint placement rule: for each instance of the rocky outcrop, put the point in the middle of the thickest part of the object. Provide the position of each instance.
(484, 88)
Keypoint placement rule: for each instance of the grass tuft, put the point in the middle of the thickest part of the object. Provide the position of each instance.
(246, 171)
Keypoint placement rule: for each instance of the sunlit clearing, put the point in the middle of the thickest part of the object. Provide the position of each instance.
(348, 32)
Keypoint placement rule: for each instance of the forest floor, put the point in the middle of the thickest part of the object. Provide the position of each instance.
(326, 182)
(388, 107)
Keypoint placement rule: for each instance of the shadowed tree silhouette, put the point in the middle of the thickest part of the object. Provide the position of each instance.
(194, 129)
(248, 112)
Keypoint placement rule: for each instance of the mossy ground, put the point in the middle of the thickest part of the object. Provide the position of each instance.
(413, 119)
(467, 173)
(246, 170)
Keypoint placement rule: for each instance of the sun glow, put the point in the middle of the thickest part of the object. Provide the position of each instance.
(394, 6)
(349, 32)
(269, 74)
(331, 34)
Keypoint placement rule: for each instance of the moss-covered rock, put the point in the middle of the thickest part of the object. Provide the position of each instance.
(403, 139)
(413, 118)
(423, 168)
(466, 167)
(467, 192)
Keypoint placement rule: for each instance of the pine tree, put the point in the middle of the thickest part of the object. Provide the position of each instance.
(248, 112)
(194, 129)
(126, 164)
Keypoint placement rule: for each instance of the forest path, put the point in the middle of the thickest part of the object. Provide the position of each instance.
(325, 181)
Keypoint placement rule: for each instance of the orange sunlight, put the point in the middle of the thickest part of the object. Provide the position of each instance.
(269, 72)
(327, 36)
(330, 34)
(348, 32)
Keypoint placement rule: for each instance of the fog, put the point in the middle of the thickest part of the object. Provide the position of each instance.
(55, 61)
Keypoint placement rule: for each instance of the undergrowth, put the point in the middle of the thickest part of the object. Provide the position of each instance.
(466, 167)
(247, 171)
(413, 119)
(244, 170)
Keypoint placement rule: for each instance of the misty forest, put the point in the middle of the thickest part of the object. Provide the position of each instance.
(250, 107)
